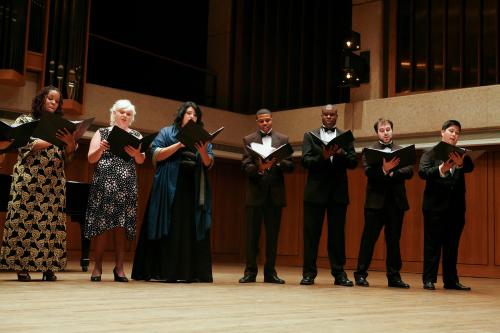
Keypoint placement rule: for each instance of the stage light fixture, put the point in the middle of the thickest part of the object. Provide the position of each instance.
(352, 42)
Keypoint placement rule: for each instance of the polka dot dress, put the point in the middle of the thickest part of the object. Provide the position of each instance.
(113, 194)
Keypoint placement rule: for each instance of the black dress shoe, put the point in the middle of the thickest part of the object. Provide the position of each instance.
(398, 284)
(361, 281)
(49, 276)
(429, 285)
(273, 279)
(307, 281)
(343, 281)
(95, 278)
(119, 278)
(456, 286)
(247, 278)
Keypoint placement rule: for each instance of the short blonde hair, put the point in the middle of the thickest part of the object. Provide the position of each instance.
(121, 104)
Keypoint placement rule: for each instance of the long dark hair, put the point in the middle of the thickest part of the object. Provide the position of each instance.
(182, 110)
(37, 105)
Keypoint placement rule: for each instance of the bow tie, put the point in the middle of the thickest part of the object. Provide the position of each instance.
(328, 130)
(262, 134)
(386, 145)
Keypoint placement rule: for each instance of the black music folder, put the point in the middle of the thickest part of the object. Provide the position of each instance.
(19, 134)
(193, 132)
(407, 156)
(443, 149)
(343, 140)
(267, 153)
(119, 138)
(50, 123)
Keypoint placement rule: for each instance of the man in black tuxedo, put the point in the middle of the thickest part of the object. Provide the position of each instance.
(326, 191)
(444, 209)
(385, 205)
(265, 197)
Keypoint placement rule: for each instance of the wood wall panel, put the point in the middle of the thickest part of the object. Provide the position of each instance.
(145, 173)
(479, 250)
(474, 243)
(494, 173)
(412, 234)
(291, 231)
(228, 218)
(355, 219)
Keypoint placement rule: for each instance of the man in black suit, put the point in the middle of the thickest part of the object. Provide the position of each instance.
(385, 205)
(326, 191)
(444, 209)
(265, 197)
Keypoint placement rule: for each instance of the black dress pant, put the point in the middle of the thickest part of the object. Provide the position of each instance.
(442, 231)
(390, 217)
(270, 215)
(313, 224)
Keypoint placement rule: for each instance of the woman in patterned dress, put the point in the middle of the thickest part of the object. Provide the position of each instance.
(112, 205)
(34, 236)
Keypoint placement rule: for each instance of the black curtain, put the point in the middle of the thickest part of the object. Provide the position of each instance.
(37, 26)
(66, 46)
(13, 34)
(288, 53)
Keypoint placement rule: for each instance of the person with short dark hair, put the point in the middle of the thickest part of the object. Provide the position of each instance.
(34, 236)
(385, 205)
(326, 191)
(265, 197)
(174, 245)
(444, 209)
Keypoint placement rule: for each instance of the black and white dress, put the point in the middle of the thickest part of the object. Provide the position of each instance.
(113, 194)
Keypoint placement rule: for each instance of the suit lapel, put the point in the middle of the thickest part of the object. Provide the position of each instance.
(274, 140)
(257, 138)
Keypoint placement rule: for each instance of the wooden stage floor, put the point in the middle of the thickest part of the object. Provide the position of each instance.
(74, 304)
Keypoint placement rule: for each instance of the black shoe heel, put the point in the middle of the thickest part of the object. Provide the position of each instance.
(119, 278)
(49, 276)
(23, 276)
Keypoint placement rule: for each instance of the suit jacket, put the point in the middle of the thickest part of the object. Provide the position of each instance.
(326, 180)
(382, 187)
(443, 193)
(272, 181)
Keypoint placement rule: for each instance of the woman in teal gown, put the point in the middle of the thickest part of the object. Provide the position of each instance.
(174, 245)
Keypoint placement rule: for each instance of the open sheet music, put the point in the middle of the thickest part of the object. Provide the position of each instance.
(407, 156)
(18, 134)
(343, 140)
(264, 152)
(192, 133)
(118, 139)
(50, 123)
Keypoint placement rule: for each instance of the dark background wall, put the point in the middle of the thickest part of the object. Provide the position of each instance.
(282, 55)
(151, 47)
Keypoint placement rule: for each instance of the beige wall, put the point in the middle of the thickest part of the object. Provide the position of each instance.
(421, 115)
(367, 19)
(417, 118)
(19, 98)
(154, 113)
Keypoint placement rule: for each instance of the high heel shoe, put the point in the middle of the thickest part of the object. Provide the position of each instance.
(119, 278)
(23, 276)
(96, 278)
(49, 276)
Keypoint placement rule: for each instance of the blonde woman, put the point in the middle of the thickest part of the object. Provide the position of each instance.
(112, 205)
